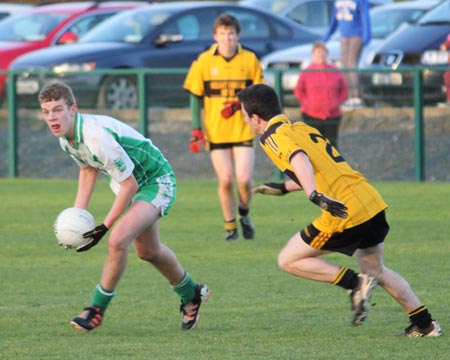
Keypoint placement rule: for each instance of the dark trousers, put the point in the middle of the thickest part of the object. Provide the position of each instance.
(328, 127)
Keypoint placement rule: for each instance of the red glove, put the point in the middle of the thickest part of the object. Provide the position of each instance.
(197, 139)
(230, 108)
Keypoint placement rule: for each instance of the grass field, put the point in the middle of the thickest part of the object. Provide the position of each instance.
(256, 311)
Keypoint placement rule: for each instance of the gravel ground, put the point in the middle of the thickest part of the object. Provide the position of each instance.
(377, 142)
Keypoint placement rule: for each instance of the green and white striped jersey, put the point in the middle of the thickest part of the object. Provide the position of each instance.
(116, 149)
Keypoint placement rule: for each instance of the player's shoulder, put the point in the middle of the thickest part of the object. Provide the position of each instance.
(248, 51)
(209, 52)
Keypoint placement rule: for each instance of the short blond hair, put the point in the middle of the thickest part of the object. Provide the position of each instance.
(319, 45)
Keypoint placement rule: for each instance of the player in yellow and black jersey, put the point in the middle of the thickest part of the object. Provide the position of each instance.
(353, 212)
(217, 76)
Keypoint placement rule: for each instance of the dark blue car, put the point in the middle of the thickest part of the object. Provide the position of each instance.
(164, 35)
(411, 46)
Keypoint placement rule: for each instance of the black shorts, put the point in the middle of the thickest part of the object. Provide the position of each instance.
(222, 146)
(362, 236)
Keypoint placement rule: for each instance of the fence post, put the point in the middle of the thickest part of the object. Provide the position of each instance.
(419, 148)
(278, 86)
(12, 126)
(142, 103)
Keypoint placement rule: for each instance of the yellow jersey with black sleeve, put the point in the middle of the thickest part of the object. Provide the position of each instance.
(218, 80)
(334, 177)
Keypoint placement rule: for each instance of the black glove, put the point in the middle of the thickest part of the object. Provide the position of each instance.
(336, 208)
(96, 236)
(277, 189)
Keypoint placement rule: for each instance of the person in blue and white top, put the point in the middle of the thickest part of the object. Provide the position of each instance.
(145, 188)
(352, 18)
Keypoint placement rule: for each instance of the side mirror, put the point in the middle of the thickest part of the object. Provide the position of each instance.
(67, 38)
(164, 39)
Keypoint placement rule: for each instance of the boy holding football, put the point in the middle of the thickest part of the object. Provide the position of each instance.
(145, 189)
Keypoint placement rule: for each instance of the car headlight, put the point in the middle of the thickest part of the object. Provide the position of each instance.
(269, 78)
(434, 57)
(367, 58)
(304, 65)
(69, 67)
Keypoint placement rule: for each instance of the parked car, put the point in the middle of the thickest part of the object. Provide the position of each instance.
(163, 35)
(49, 25)
(409, 47)
(384, 20)
(315, 14)
(7, 9)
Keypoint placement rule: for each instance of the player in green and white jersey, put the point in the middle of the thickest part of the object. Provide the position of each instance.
(145, 188)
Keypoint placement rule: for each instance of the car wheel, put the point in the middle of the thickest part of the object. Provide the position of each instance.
(118, 92)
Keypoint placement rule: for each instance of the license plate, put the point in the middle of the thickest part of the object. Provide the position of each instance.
(387, 79)
(290, 80)
(27, 87)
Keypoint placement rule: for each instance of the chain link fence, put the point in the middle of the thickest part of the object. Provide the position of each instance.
(379, 139)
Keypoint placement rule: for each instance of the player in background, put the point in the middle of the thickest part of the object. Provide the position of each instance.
(352, 221)
(217, 76)
(145, 189)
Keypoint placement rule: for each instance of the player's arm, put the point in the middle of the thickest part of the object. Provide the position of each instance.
(128, 189)
(86, 183)
(304, 171)
(277, 189)
(196, 107)
(197, 137)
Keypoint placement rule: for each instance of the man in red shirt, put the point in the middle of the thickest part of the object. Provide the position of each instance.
(445, 46)
(321, 94)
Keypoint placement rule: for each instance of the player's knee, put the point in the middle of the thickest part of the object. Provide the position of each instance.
(283, 262)
(226, 182)
(146, 255)
(116, 245)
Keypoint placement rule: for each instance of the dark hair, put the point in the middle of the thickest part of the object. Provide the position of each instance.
(56, 91)
(227, 20)
(260, 99)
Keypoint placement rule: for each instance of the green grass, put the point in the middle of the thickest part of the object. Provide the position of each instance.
(256, 311)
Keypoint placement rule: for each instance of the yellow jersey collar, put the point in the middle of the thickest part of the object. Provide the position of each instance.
(277, 119)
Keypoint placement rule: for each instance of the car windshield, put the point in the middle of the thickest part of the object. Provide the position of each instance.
(438, 15)
(275, 6)
(29, 27)
(129, 27)
(385, 22)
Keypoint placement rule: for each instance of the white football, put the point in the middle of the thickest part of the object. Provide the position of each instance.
(71, 224)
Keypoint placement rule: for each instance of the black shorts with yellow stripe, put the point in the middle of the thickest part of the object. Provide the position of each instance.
(222, 146)
(363, 236)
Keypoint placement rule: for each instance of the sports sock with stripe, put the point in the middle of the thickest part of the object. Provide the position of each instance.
(420, 317)
(230, 225)
(102, 297)
(346, 278)
(185, 288)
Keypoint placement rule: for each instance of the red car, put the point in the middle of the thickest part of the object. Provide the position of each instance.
(50, 25)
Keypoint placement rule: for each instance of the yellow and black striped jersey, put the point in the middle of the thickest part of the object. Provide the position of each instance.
(334, 177)
(218, 81)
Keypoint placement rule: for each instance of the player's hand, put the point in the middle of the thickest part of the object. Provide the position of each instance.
(197, 139)
(277, 189)
(336, 208)
(230, 107)
(96, 236)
